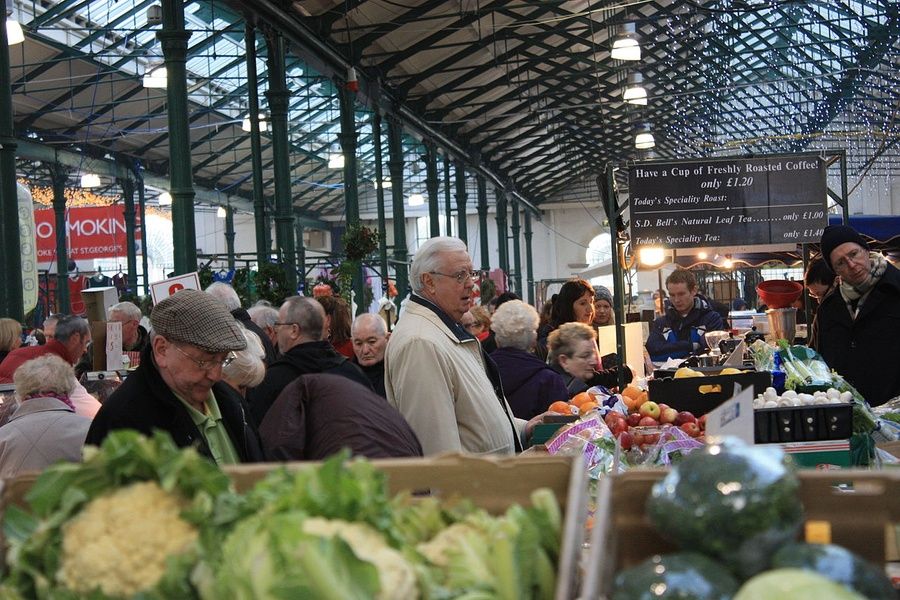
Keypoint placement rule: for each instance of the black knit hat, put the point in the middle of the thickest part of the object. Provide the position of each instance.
(834, 236)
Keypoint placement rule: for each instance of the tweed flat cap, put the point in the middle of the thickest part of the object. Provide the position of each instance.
(197, 318)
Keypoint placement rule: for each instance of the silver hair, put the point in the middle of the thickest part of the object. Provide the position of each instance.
(308, 314)
(69, 325)
(369, 319)
(263, 316)
(515, 325)
(225, 294)
(564, 339)
(428, 258)
(247, 369)
(45, 374)
(126, 309)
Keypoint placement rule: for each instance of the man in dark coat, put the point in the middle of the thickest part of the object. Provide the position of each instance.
(680, 331)
(318, 415)
(857, 327)
(301, 322)
(177, 387)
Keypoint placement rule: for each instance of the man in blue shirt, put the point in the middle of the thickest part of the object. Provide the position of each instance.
(688, 316)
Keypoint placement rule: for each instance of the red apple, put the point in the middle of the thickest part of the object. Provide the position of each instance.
(663, 406)
(626, 440)
(651, 438)
(637, 439)
(685, 417)
(701, 422)
(633, 419)
(619, 426)
(667, 415)
(649, 409)
(691, 428)
(648, 422)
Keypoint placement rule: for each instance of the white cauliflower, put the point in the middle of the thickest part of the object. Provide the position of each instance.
(396, 576)
(120, 541)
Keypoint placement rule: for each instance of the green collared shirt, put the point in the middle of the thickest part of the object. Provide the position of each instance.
(212, 428)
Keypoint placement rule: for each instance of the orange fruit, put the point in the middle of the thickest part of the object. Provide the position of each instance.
(581, 398)
(588, 407)
(563, 408)
(632, 392)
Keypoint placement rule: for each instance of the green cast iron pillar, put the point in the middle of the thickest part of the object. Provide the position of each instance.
(502, 233)
(301, 253)
(616, 247)
(348, 143)
(174, 41)
(448, 207)
(12, 301)
(431, 183)
(260, 220)
(483, 224)
(517, 253)
(229, 236)
(395, 165)
(59, 175)
(142, 203)
(127, 186)
(379, 195)
(461, 198)
(529, 259)
(279, 97)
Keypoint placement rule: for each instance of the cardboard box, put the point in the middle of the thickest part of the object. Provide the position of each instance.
(686, 394)
(491, 483)
(829, 454)
(97, 300)
(853, 508)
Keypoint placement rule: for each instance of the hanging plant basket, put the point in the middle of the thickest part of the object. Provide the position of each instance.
(359, 242)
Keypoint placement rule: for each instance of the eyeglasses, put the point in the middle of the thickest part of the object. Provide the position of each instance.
(206, 365)
(279, 324)
(852, 256)
(460, 276)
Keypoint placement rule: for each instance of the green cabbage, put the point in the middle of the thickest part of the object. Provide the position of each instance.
(793, 584)
(681, 575)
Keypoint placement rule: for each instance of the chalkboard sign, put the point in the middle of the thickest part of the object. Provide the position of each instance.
(724, 202)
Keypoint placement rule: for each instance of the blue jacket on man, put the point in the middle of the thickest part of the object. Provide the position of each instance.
(676, 336)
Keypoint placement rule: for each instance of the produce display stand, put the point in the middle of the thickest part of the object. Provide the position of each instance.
(852, 508)
(490, 483)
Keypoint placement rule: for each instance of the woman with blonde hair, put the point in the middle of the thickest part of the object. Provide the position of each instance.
(10, 336)
(248, 368)
(573, 353)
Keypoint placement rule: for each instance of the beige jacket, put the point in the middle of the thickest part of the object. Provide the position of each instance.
(440, 386)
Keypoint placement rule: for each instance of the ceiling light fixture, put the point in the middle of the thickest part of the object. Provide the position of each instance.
(221, 212)
(165, 199)
(263, 123)
(385, 183)
(416, 199)
(14, 33)
(643, 139)
(335, 160)
(626, 46)
(635, 92)
(156, 77)
(702, 255)
(90, 180)
(652, 256)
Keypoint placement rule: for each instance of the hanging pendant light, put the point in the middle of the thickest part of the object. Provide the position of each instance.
(14, 33)
(221, 212)
(156, 77)
(643, 139)
(416, 199)
(165, 199)
(90, 180)
(261, 119)
(625, 46)
(635, 92)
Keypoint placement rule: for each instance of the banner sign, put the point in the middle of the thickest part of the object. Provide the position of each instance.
(91, 232)
(725, 202)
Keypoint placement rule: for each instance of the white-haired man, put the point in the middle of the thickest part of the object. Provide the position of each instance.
(436, 373)
(227, 296)
(370, 337)
(265, 318)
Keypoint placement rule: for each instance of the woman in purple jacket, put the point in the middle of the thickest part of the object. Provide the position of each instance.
(530, 384)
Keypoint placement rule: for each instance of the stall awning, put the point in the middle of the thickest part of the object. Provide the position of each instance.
(882, 228)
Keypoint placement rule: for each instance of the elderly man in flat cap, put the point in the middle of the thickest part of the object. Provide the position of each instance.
(177, 387)
(857, 327)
